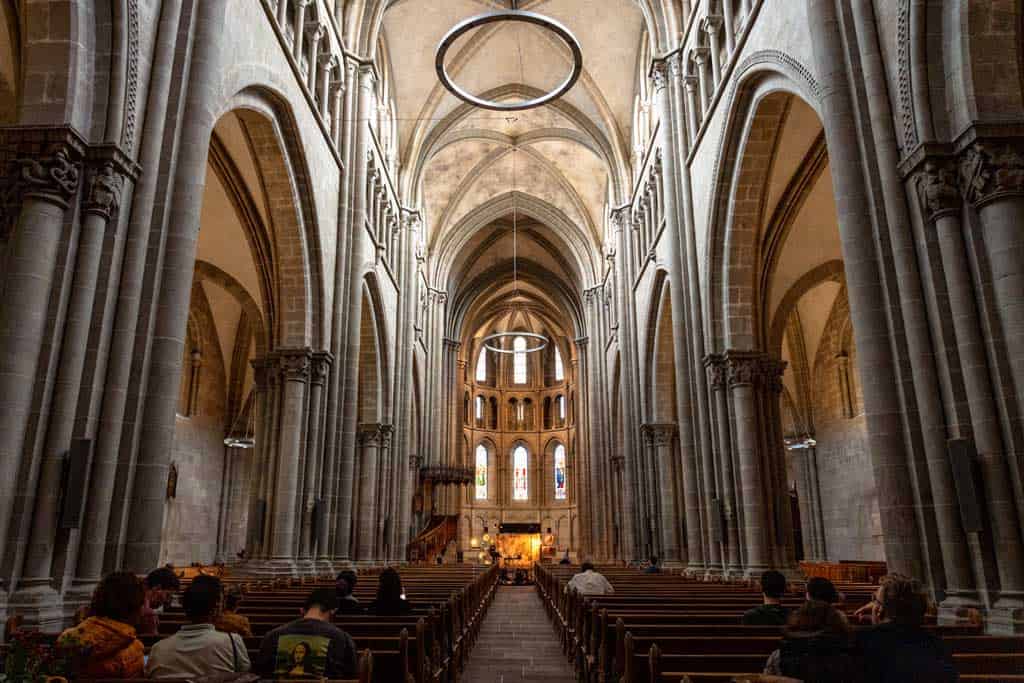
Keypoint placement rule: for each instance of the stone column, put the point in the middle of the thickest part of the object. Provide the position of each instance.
(295, 365)
(691, 83)
(319, 371)
(125, 312)
(992, 172)
(665, 76)
(868, 295)
(942, 201)
(265, 384)
(282, 13)
(798, 458)
(719, 381)
(299, 28)
(711, 26)
(47, 178)
(700, 56)
(661, 438)
(101, 203)
(730, 28)
(369, 439)
(744, 370)
(316, 35)
(348, 417)
(775, 457)
(817, 519)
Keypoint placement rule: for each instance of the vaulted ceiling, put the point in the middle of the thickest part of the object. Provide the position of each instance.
(568, 160)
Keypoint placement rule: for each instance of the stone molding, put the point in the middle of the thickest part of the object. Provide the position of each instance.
(42, 162)
(990, 170)
(386, 432)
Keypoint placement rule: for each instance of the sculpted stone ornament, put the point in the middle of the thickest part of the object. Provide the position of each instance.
(294, 365)
(660, 74)
(717, 372)
(368, 435)
(659, 435)
(939, 190)
(55, 176)
(743, 370)
(104, 191)
(321, 367)
(989, 171)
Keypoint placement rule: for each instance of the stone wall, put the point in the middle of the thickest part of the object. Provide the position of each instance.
(848, 498)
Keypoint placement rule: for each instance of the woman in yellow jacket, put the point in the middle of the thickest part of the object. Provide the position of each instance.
(104, 645)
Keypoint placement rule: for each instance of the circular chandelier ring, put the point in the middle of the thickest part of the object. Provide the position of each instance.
(541, 342)
(509, 15)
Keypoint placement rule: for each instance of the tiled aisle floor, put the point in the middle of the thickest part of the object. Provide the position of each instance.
(517, 643)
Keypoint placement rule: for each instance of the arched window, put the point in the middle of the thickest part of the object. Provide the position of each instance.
(561, 408)
(519, 360)
(559, 368)
(520, 483)
(481, 366)
(481, 472)
(560, 472)
(479, 407)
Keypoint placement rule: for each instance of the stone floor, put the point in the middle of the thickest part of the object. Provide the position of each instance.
(517, 643)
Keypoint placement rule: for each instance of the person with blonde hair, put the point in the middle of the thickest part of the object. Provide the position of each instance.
(898, 649)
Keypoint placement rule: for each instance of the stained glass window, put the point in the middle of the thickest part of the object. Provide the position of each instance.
(479, 407)
(481, 472)
(519, 360)
(559, 472)
(561, 407)
(481, 366)
(520, 463)
(559, 368)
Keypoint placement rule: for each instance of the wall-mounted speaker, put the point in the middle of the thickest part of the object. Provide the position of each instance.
(961, 461)
(76, 472)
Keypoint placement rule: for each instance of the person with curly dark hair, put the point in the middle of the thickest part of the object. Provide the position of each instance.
(161, 585)
(104, 645)
(230, 621)
(898, 649)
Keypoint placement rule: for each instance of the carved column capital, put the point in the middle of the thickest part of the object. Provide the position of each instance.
(938, 189)
(320, 367)
(294, 365)
(103, 191)
(701, 55)
(712, 23)
(621, 217)
(718, 375)
(990, 170)
(386, 432)
(415, 461)
(660, 73)
(369, 435)
(691, 83)
(659, 435)
(743, 368)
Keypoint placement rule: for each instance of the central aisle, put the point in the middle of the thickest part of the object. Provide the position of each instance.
(517, 642)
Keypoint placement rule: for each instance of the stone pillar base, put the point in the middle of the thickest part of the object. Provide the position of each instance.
(340, 563)
(268, 568)
(325, 566)
(1007, 616)
(40, 605)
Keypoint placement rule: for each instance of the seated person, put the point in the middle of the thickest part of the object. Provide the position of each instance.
(390, 600)
(771, 613)
(104, 644)
(589, 582)
(310, 647)
(816, 646)
(820, 588)
(653, 567)
(565, 559)
(520, 579)
(161, 585)
(198, 649)
(898, 648)
(344, 584)
(230, 621)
